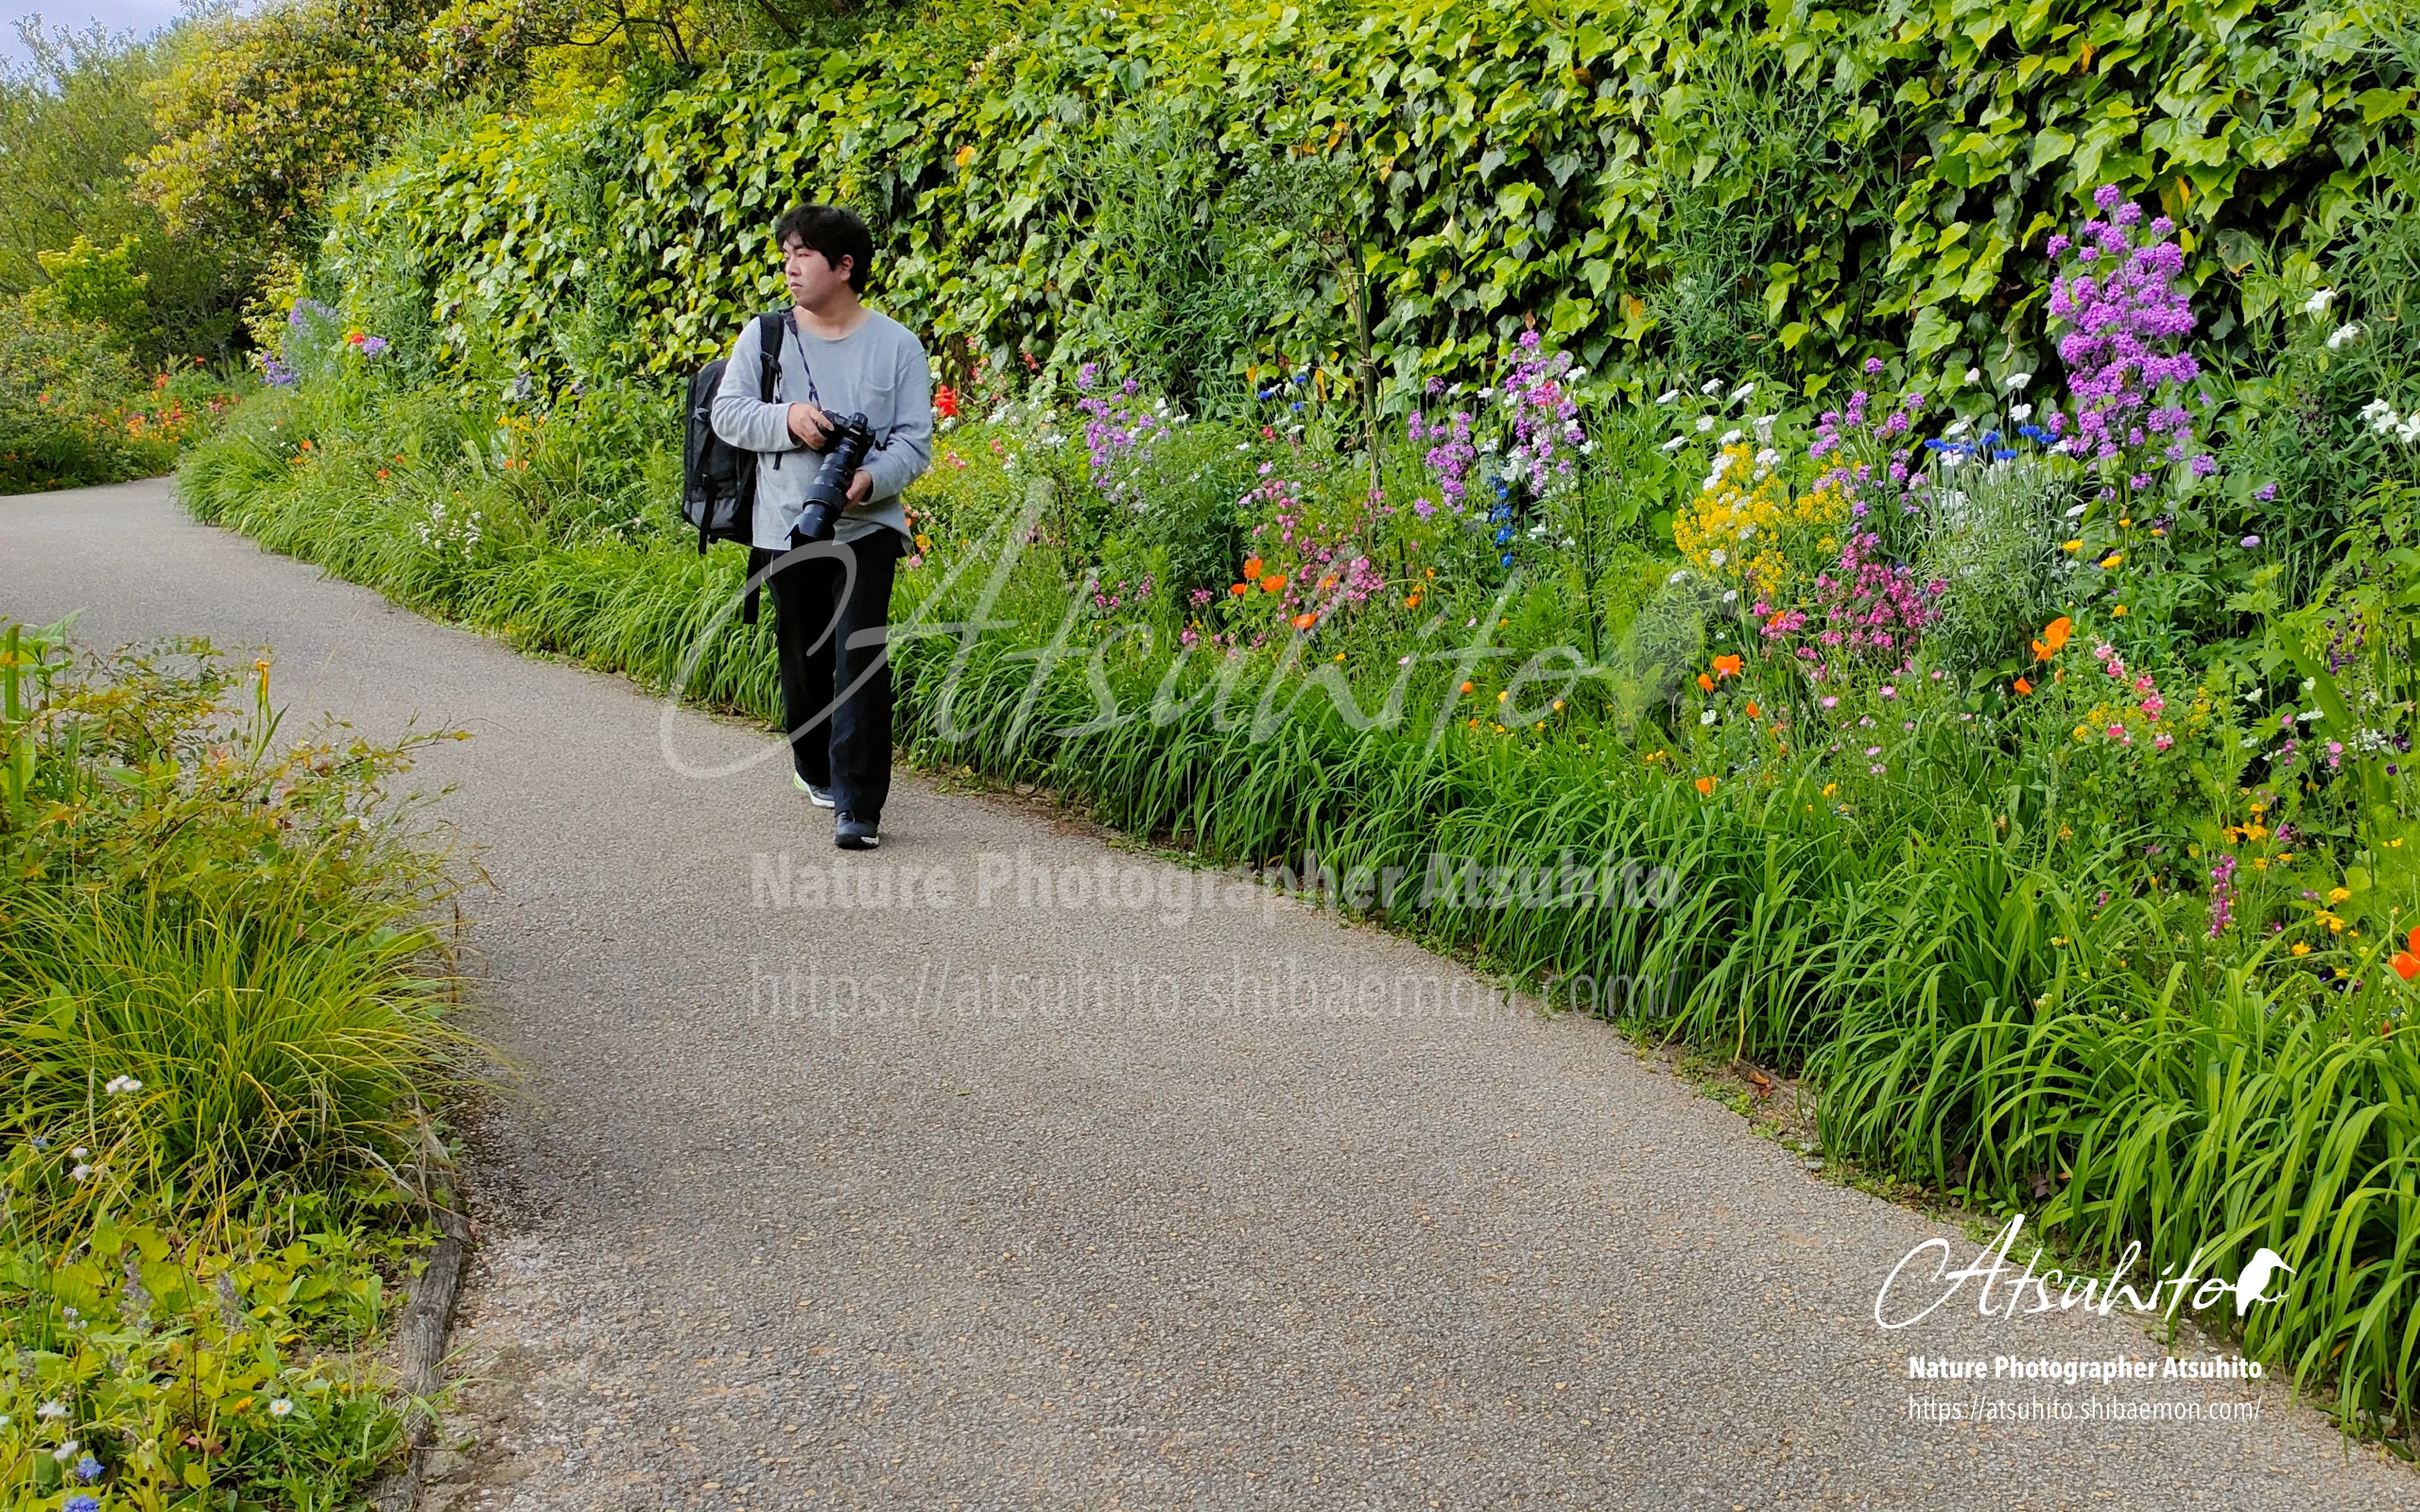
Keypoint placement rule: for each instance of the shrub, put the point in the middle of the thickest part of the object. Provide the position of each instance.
(238, 931)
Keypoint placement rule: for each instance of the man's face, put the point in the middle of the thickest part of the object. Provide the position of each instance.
(810, 278)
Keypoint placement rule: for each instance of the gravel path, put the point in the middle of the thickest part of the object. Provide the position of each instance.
(975, 1203)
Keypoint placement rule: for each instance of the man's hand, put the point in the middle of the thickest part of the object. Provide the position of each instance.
(810, 425)
(861, 486)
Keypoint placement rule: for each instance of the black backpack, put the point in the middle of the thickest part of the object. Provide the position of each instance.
(718, 479)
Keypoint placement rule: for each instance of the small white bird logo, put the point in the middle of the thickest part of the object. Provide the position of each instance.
(2254, 1279)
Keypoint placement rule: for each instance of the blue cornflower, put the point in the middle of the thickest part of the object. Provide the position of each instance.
(1504, 535)
(1502, 488)
(1269, 392)
(1298, 404)
(1507, 558)
(2032, 433)
(80, 1502)
(2005, 453)
(89, 1470)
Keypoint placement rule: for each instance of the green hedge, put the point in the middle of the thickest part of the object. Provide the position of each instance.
(1818, 181)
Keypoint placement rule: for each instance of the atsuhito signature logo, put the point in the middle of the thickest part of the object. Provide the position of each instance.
(2002, 1290)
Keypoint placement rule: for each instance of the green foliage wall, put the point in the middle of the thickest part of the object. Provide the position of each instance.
(1702, 182)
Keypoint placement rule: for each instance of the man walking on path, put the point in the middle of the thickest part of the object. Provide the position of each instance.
(837, 358)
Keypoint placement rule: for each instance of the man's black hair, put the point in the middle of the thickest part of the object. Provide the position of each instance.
(835, 233)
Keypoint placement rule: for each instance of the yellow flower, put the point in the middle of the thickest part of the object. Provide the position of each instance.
(1740, 524)
(2337, 894)
(2301, 949)
(2076, 544)
(2112, 559)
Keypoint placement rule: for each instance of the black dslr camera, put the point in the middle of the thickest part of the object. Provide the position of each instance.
(845, 452)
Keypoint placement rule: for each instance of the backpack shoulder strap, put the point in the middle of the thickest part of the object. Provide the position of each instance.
(771, 328)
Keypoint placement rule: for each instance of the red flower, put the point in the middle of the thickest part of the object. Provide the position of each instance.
(945, 402)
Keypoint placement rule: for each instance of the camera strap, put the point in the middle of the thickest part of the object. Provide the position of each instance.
(788, 323)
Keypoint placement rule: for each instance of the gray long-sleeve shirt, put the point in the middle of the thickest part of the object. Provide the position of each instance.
(880, 370)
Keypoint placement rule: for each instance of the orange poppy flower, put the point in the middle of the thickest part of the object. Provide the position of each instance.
(1753, 711)
(1237, 590)
(1304, 622)
(1706, 786)
(1272, 582)
(2024, 688)
(2407, 962)
(1706, 682)
(2054, 635)
(1727, 666)
(1252, 566)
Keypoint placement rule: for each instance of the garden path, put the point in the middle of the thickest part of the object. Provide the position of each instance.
(1019, 1205)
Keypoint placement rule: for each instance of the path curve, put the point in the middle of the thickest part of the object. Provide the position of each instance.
(1148, 1237)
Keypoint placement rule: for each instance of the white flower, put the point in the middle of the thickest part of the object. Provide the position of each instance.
(1731, 437)
(1742, 392)
(1575, 375)
(1705, 424)
(1716, 558)
(77, 1152)
(2076, 511)
(121, 1084)
(1960, 426)
(1711, 386)
(1667, 396)
(2410, 430)
(1974, 375)
(2015, 380)
(81, 1171)
(1731, 596)
(1706, 719)
(1678, 573)
(2338, 338)
(65, 1451)
(1768, 457)
(2319, 301)
(1676, 443)
(51, 1411)
(279, 1407)
(2020, 413)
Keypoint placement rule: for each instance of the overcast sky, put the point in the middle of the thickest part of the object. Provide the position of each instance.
(118, 15)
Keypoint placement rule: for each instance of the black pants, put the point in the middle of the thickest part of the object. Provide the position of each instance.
(824, 646)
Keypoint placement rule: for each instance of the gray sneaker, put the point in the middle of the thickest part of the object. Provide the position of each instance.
(853, 833)
(820, 797)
